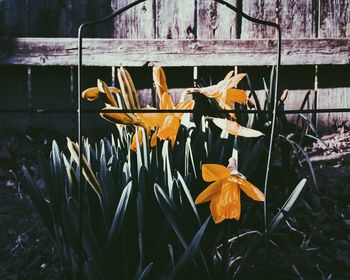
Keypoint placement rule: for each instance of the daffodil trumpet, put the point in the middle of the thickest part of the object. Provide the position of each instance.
(224, 191)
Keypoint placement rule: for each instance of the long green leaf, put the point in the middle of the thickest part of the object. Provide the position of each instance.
(43, 206)
(169, 211)
(189, 196)
(119, 213)
(287, 207)
(190, 252)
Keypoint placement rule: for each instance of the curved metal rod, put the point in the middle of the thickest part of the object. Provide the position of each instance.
(275, 95)
(274, 107)
(82, 188)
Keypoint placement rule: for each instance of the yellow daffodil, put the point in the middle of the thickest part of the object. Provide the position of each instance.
(224, 192)
(172, 121)
(169, 123)
(224, 92)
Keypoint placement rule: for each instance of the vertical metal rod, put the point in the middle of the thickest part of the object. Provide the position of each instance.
(81, 185)
(314, 107)
(113, 76)
(275, 97)
(29, 93)
(273, 124)
(71, 88)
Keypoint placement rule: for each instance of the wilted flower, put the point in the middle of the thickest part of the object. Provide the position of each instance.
(224, 92)
(234, 128)
(224, 192)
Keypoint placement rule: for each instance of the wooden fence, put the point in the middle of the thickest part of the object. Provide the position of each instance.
(38, 55)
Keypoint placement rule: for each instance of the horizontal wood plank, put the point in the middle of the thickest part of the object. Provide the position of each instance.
(115, 52)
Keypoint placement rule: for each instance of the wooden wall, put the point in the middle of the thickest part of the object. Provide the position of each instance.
(54, 87)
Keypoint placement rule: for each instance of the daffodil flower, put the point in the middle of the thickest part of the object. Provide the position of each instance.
(169, 123)
(172, 121)
(224, 92)
(224, 192)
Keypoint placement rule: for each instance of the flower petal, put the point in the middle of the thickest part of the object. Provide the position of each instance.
(234, 128)
(91, 94)
(252, 191)
(117, 117)
(169, 128)
(165, 102)
(153, 141)
(209, 192)
(159, 79)
(133, 145)
(109, 97)
(214, 172)
(236, 95)
(185, 105)
(229, 75)
(233, 81)
(151, 119)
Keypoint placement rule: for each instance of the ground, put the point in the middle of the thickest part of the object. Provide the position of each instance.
(26, 250)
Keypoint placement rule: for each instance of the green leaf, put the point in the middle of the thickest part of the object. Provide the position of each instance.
(190, 252)
(138, 151)
(287, 207)
(145, 272)
(170, 213)
(189, 196)
(297, 148)
(280, 217)
(43, 206)
(119, 214)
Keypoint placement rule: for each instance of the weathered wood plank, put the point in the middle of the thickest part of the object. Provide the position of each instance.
(261, 9)
(297, 18)
(136, 22)
(85, 10)
(334, 22)
(334, 18)
(174, 19)
(113, 52)
(216, 21)
(333, 98)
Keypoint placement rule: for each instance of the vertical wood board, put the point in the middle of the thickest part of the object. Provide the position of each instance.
(137, 22)
(216, 21)
(261, 9)
(334, 18)
(174, 19)
(297, 18)
(333, 98)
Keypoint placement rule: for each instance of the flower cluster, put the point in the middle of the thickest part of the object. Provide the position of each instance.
(224, 192)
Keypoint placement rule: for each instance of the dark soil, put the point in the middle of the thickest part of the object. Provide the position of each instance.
(26, 250)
